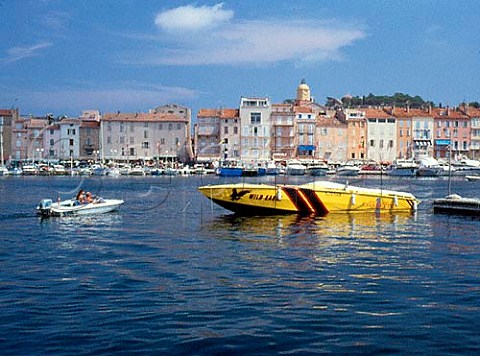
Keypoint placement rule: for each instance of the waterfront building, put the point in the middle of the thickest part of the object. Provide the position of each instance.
(452, 128)
(89, 140)
(474, 115)
(422, 130)
(331, 139)
(141, 136)
(27, 139)
(305, 122)
(51, 141)
(404, 146)
(186, 154)
(381, 136)
(255, 128)
(230, 133)
(69, 138)
(6, 119)
(89, 135)
(217, 134)
(282, 141)
(356, 132)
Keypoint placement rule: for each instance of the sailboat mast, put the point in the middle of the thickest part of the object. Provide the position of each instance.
(1, 141)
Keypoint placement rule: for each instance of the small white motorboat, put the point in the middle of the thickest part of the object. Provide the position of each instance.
(73, 207)
(472, 178)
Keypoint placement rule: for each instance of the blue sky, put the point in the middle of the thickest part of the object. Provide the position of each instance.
(64, 56)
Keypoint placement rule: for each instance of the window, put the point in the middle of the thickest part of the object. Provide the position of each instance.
(160, 127)
(121, 127)
(122, 139)
(52, 142)
(132, 151)
(109, 127)
(179, 126)
(145, 134)
(235, 130)
(145, 144)
(372, 143)
(170, 127)
(381, 143)
(225, 130)
(132, 128)
(145, 124)
(162, 141)
(71, 142)
(390, 144)
(255, 118)
(109, 139)
(177, 141)
(255, 131)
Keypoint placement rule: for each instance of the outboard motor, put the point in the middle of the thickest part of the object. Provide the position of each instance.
(45, 207)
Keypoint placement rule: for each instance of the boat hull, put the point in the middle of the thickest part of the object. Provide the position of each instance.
(316, 198)
(73, 208)
(454, 204)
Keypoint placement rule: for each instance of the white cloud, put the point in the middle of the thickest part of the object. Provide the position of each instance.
(19, 53)
(191, 18)
(256, 42)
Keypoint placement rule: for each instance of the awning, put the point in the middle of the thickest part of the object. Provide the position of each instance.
(422, 143)
(445, 142)
(306, 147)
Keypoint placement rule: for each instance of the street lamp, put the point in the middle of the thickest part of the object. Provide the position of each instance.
(40, 154)
(96, 153)
(114, 154)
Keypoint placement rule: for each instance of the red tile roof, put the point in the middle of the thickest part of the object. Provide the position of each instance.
(376, 113)
(90, 124)
(448, 113)
(219, 113)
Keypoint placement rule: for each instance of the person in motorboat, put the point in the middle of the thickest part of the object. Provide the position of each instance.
(88, 197)
(85, 197)
(80, 196)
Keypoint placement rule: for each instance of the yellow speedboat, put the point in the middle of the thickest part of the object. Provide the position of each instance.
(315, 198)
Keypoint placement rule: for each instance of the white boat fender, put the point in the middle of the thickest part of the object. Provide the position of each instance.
(353, 199)
(415, 206)
(279, 193)
(395, 200)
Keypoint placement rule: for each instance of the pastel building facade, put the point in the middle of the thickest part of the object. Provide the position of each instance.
(255, 128)
(142, 136)
(217, 134)
(381, 134)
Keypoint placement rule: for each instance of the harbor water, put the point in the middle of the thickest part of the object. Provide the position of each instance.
(172, 273)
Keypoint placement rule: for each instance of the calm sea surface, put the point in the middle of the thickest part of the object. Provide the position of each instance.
(170, 273)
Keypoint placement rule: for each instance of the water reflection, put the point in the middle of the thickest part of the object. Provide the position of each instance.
(332, 225)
